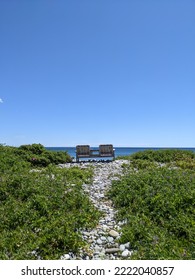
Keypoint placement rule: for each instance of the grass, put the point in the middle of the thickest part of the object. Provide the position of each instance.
(156, 198)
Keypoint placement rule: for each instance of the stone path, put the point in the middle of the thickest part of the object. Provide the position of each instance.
(103, 239)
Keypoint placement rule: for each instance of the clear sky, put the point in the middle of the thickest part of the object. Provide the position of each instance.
(97, 72)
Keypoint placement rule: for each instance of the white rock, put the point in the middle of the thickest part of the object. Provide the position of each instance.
(66, 257)
(110, 239)
(97, 249)
(99, 241)
(127, 245)
(113, 233)
(125, 253)
(122, 247)
(103, 238)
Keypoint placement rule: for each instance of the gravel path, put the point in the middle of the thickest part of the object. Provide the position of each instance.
(102, 240)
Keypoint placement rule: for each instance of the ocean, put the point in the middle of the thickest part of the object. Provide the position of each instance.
(119, 151)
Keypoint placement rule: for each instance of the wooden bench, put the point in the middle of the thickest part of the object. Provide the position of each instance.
(84, 151)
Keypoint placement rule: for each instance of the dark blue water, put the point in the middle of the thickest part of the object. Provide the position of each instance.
(119, 151)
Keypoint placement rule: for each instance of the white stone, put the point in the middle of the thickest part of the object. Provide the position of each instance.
(127, 245)
(125, 253)
(97, 249)
(103, 238)
(113, 233)
(66, 257)
(122, 247)
(99, 241)
(110, 239)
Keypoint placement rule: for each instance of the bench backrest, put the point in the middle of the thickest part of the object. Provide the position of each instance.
(106, 150)
(83, 150)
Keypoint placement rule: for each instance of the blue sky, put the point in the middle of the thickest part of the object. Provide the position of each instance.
(97, 72)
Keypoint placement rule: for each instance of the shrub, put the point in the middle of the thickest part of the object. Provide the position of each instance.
(41, 212)
(158, 205)
(36, 149)
(142, 164)
(186, 164)
(34, 154)
(164, 156)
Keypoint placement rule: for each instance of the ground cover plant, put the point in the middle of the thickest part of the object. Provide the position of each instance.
(162, 155)
(156, 198)
(35, 154)
(41, 209)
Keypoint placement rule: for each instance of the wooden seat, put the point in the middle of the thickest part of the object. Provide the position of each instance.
(106, 151)
(82, 151)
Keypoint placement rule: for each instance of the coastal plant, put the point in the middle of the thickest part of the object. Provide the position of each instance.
(186, 164)
(142, 164)
(36, 155)
(158, 205)
(42, 210)
(164, 155)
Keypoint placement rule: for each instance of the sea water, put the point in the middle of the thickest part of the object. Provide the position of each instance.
(119, 151)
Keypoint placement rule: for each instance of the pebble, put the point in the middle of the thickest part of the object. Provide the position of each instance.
(111, 250)
(110, 239)
(99, 241)
(66, 257)
(122, 247)
(127, 245)
(113, 233)
(103, 238)
(125, 253)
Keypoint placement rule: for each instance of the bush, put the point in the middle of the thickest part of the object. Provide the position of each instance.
(158, 205)
(186, 164)
(36, 149)
(41, 212)
(34, 154)
(142, 164)
(164, 156)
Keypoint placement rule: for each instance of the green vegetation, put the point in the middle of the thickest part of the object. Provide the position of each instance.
(162, 155)
(42, 209)
(35, 154)
(43, 206)
(156, 199)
